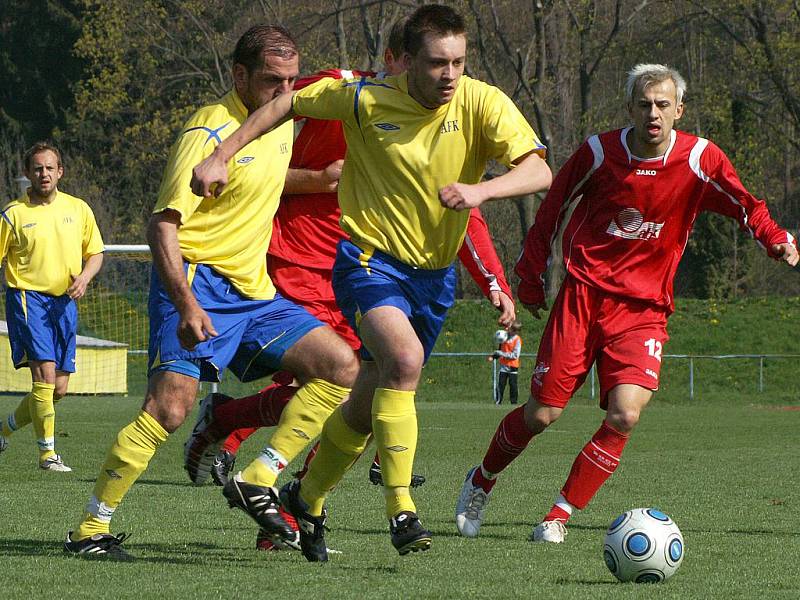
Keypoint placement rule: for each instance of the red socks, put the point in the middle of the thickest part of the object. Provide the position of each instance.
(259, 410)
(596, 462)
(234, 440)
(510, 439)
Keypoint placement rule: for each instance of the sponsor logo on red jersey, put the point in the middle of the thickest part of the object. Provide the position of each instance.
(629, 224)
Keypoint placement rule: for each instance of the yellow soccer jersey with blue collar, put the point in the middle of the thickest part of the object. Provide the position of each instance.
(230, 233)
(400, 154)
(44, 245)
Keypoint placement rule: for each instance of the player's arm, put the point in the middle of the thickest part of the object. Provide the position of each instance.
(162, 235)
(80, 282)
(727, 195)
(529, 175)
(211, 175)
(535, 257)
(309, 181)
(479, 256)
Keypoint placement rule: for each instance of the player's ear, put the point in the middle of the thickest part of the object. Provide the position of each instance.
(679, 110)
(240, 76)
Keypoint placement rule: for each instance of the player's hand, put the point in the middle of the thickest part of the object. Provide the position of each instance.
(331, 175)
(210, 177)
(787, 253)
(194, 327)
(461, 196)
(535, 309)
(78, 287)
(508, 312)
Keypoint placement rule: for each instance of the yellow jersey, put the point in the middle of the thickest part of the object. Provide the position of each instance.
(44, 245)
(400, 154)
(230, 233)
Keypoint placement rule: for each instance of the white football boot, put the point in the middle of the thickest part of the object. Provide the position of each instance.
(549, 531)
(471, 506)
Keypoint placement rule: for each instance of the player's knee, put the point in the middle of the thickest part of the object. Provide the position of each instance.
(341, 366)
(403, 365)
(539, 417)
(170, 415)
(623, 420)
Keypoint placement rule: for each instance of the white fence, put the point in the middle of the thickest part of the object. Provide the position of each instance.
(593, 385)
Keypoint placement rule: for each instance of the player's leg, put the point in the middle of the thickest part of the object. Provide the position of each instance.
(327, 367)
(170, 398)
(563, 360)
(600, 457)
(628, 365)
(502, 379)
(43, 414)
(512, 385)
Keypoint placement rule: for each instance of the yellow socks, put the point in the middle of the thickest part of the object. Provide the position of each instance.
(301, 421)
(394, 425)
(43, 417)
(19, 418)
(127, 459)
(339, 447)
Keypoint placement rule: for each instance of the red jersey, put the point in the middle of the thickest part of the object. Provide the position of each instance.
(626, 220)
(306, 226)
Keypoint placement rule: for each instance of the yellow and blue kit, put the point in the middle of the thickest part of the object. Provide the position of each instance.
(224, 241)
(400, 154)
(44, 246)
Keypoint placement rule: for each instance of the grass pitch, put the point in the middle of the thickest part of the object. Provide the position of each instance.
(727, 473)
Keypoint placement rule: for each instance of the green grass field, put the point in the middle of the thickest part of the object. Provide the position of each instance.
(724, 466)
(727, 474)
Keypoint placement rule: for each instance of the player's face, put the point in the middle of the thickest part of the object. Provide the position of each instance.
(275, 76)
(654, 110)
(44, 173)
(434, 72)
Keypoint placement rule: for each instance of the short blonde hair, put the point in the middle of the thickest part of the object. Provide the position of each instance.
(648, 75)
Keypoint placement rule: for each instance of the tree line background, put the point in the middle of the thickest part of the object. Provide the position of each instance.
(112, 81)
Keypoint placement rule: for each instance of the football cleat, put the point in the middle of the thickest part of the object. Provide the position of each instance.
(549, 531)
(261, 504)
(471, 506)
(100, 545)
(200, 450)
(408, 534)
(376, 476)
(54, 463)
(267, 542)
(222, 466)
(312, 529)
(3, 443)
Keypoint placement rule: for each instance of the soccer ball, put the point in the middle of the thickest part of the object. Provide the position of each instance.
(500, 336)
(643, 545)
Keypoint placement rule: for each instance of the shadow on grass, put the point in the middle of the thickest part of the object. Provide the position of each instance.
(159, 482)
(195, 554)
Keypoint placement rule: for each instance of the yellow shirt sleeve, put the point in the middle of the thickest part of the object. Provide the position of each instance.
(6, 234)
(196, 142)
(92, 240)
(330, 99)
(506, 130)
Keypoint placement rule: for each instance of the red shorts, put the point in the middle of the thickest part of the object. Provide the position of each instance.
(311, 289)
(625, 337)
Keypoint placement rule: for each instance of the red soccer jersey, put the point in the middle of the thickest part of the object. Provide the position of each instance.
(626, 220)
(306, 227)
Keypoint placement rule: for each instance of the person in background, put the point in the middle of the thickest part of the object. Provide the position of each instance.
(53, 249)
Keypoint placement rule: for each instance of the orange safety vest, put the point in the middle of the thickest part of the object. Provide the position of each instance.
(508, 346)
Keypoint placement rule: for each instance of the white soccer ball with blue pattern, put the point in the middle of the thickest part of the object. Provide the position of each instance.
(500, 336)
(643, 545)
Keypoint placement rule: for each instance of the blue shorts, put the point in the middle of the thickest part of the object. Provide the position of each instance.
(41, 327)
(362, 282)
(253, 334)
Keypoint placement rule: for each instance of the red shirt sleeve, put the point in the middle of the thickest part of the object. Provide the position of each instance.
(479, 256)
(728, 196)
(535, 257)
